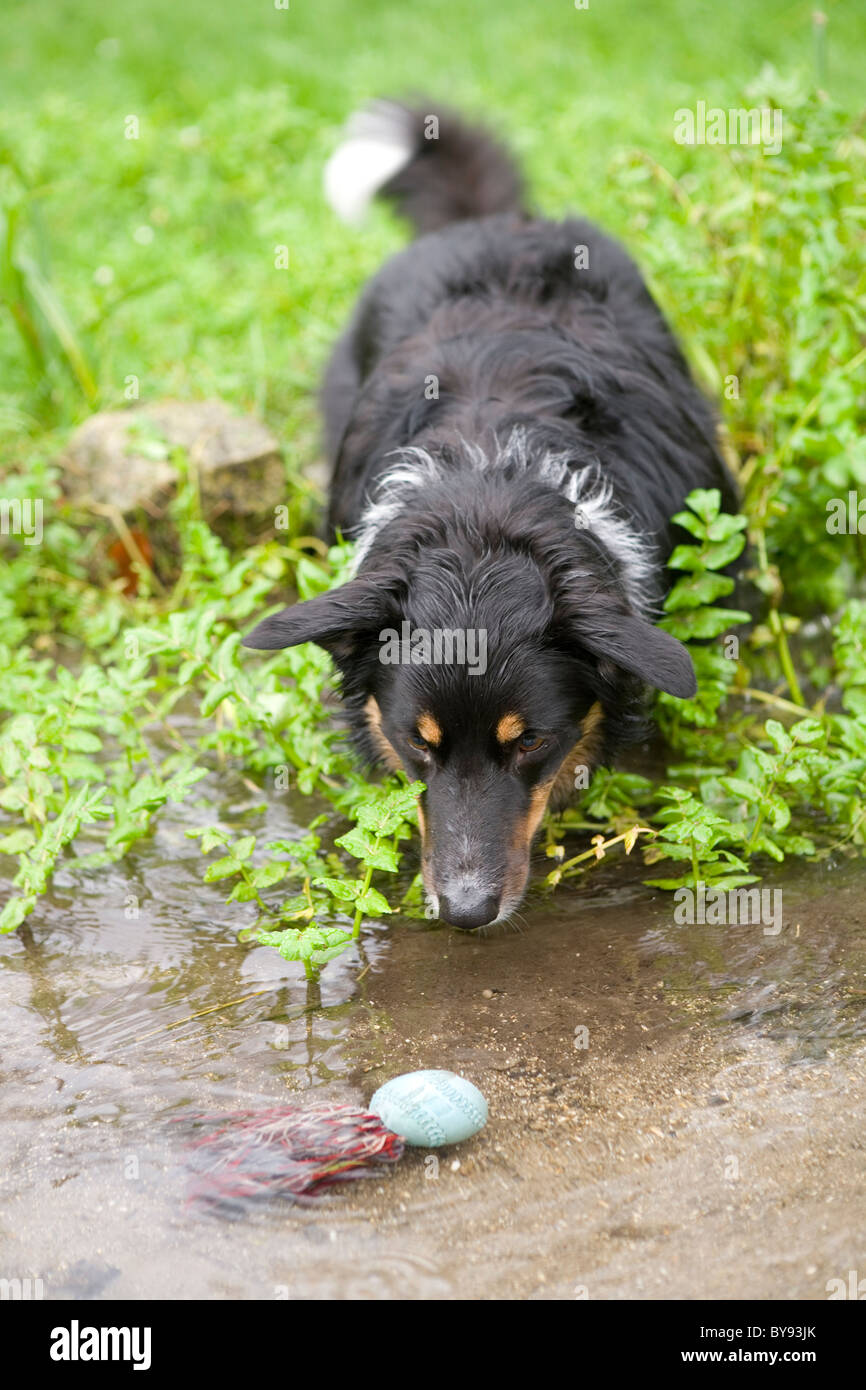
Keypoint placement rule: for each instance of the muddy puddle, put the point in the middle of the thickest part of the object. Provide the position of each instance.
(676, 1111)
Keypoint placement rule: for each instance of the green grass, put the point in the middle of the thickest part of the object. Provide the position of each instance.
(154, 258)
(238, 106)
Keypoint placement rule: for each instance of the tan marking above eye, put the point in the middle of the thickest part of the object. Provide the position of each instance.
(429, 730)
(509, 728)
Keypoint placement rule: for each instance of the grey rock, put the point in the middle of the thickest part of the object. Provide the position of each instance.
(123, 459)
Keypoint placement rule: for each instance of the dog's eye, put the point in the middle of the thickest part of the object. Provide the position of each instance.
(418, 743)
(529, 742)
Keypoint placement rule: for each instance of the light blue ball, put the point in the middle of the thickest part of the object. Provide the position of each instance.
(430, 1108)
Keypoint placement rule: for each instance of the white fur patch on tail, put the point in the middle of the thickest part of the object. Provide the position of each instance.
(377, 145)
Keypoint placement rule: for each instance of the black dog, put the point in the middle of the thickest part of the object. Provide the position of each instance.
(512, 425)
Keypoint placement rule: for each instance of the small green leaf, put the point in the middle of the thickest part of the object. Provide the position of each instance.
(211, 836)
(706, 502)
(269, 874)
(214, 697)
(344, 890)
(222, 868)
(81, 741)
(15, 911)
(373, 903)
(242, 893)
(17, 841)
(743, 790)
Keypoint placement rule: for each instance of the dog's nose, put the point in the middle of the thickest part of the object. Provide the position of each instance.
(467, 912)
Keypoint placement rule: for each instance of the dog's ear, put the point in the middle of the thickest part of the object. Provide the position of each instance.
(636, 646)
(338, 620)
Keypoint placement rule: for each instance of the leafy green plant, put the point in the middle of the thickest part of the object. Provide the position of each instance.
(696, 833)
(375, 842)
(327, 892)
(691, 612)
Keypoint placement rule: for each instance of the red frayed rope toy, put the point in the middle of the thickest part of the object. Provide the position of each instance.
(285, 1152)
(295, 1152)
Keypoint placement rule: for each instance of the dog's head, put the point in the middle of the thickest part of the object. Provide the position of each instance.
(496, 686)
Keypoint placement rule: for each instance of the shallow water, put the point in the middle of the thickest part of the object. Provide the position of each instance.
(707, 1141)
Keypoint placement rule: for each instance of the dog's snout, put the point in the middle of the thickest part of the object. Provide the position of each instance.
(468, 910)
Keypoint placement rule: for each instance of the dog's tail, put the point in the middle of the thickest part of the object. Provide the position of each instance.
(432, 166)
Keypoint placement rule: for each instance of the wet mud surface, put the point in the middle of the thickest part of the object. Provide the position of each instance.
(675, 1111)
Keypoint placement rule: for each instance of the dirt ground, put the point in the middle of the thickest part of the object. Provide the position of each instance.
(703, 1138)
